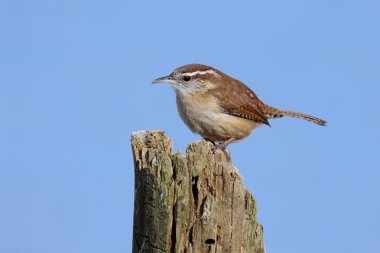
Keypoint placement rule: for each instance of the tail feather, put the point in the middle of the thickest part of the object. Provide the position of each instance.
(271, 113)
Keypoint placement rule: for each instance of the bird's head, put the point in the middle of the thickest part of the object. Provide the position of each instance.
(192, 78)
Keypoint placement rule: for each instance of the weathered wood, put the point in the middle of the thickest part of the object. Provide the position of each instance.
(191, 204)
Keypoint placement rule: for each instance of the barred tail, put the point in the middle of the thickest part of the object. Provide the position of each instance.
(271, 113)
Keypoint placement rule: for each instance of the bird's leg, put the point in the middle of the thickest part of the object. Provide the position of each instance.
(223, 146)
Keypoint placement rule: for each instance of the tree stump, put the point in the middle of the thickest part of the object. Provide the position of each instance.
(191, 204)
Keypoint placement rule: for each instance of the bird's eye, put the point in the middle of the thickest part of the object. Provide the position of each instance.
(186, 78)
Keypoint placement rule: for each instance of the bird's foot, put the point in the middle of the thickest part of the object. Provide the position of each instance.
(227, 154)
(225, 151)
(223, 146)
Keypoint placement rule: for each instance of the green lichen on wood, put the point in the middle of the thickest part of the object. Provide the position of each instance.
(196, 203)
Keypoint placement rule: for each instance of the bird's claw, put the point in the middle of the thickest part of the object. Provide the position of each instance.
(223, 148)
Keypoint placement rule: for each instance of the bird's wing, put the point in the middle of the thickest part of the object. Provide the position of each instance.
(236, 99)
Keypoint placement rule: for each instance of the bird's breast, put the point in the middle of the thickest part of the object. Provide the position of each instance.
(204, 116)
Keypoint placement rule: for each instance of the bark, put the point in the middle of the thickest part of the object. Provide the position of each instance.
(190, 204)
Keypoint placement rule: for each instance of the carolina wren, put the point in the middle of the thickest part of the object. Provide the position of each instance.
(220, 108)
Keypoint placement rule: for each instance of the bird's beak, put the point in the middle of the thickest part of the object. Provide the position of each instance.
(165, 79)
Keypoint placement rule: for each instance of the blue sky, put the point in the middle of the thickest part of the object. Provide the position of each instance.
(75, 81)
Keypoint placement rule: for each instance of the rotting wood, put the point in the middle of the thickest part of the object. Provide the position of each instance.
(192, 204)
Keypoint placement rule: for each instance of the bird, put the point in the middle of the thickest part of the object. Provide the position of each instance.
(220, 108)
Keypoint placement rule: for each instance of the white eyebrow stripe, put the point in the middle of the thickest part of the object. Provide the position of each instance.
(210, 71)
